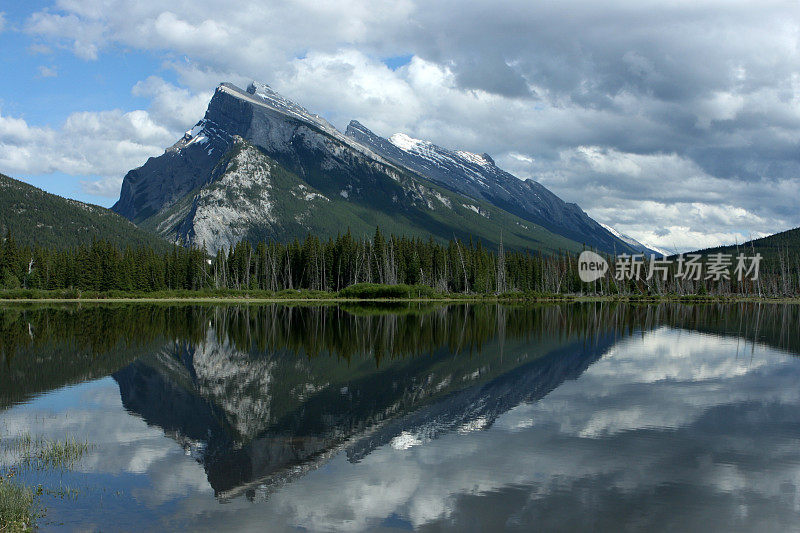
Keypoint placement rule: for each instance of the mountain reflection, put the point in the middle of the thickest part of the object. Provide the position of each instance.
(260, 395)
(272, 392)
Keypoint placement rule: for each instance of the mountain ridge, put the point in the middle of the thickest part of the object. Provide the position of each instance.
(355, 182)
(784, 243)
(477, 176)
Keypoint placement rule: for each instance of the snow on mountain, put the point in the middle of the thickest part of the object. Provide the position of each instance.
(647, 248)
(452, 161)
(409, 144)
(478, 177)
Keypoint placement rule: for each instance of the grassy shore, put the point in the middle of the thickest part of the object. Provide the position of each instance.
(356, 293)
(19, 509)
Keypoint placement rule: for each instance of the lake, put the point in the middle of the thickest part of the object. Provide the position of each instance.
(482, 417)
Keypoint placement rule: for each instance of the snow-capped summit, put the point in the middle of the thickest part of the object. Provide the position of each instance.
(404, 142)
(418, 146)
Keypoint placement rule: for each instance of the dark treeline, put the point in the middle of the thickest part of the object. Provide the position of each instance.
(44, 347)
(383, 332)
(332, 265)
(312, 264)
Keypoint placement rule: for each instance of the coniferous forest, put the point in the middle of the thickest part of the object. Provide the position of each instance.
(384, 266)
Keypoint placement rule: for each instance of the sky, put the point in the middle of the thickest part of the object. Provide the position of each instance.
(676, 123)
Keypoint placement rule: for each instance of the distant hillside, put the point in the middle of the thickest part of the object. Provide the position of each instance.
(38, 217)
(786, 242)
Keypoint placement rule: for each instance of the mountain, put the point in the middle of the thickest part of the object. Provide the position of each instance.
(259, 166)
(771, 247)
(38, 217)
(648, 249)
(477, 176)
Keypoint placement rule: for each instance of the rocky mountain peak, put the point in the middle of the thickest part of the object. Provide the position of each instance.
(356, 127)
(256, 87)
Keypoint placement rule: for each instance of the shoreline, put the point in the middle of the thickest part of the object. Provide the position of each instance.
(333, 299)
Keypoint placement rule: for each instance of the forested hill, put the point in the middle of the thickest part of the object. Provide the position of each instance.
(34, 216)
(772, 247)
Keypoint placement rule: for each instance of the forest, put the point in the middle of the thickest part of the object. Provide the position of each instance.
(384, 266)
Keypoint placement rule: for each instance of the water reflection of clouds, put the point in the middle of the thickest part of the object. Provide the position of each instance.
(670, 429)
(671, 409)
(122, 443)
(665, 379)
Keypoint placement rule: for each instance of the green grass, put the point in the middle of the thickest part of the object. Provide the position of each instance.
(17, 509)
(18, 502)
(45, 454)
(73, 294)
(367, 291)
(360, 291)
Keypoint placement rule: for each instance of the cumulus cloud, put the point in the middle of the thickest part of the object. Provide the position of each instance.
(100, 144)
(616, 102)
(47, 72)
(664, 198)
(84, 37)
(172, 106)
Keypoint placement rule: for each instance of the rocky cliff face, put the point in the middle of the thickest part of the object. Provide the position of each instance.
(259, 166)
(164, 180)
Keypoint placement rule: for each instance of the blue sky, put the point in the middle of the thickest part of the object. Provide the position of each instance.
(678, 124)
(44, 82)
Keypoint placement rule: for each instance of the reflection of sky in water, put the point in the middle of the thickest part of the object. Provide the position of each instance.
(672, 429)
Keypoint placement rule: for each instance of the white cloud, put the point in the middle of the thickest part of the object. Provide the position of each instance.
(2, 21)
(38, 48)
(360, 86)
(699, 103)
(100, 147)
(84, 37)
(103, 145)
(172, 106)
(107, 187)
(666, 200)
(47, 72)
(719, 106)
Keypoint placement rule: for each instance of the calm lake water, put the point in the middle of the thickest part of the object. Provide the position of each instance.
(591, 416)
